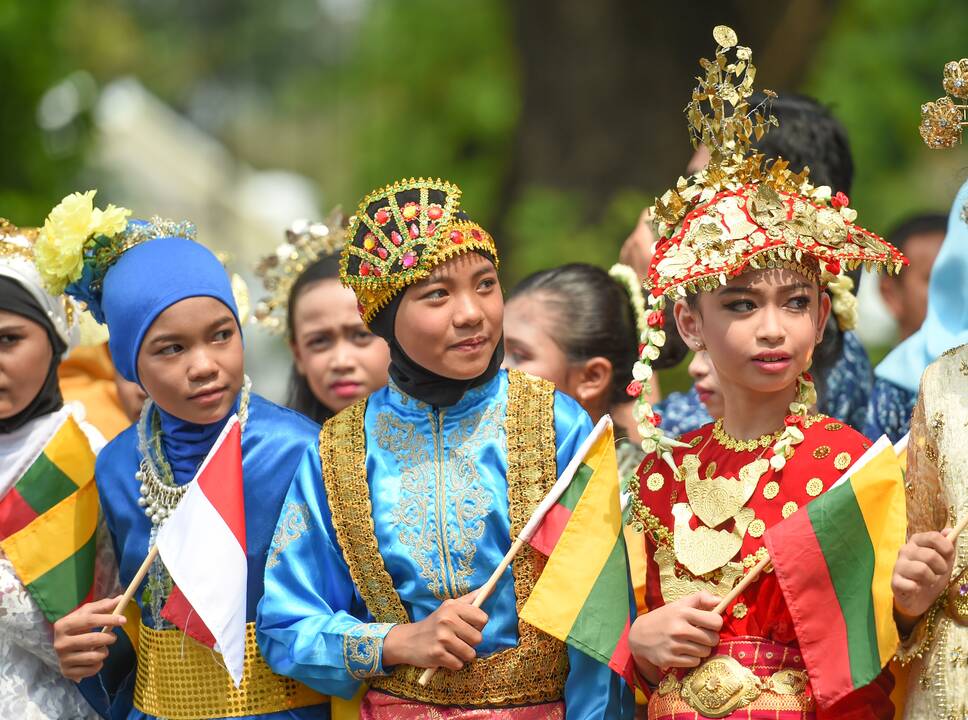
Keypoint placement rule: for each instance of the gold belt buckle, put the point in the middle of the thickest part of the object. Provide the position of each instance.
(719, 686)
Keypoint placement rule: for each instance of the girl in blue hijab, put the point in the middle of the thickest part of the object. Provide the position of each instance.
(175, 330)
(945, 327)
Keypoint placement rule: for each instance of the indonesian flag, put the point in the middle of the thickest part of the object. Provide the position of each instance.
(202, 545)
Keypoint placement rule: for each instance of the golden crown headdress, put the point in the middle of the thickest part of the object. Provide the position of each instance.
(742, 211)
(306, 242)
(942, 121)
(400, 233)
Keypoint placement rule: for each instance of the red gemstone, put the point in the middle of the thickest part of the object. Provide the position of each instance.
(456, 237)
(435, 212)
(364, 268)
(476, 234)
(395, 238)
(382, 252)
(431, 229)
(414, 231)
(382, 216)
(376, 272)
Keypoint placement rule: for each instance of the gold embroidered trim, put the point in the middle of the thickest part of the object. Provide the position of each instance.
(535, 670)
(181, 679)
(764, 441)
(363, 649)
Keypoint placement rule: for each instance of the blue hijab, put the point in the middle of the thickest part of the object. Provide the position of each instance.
(946, 323)
(142, 283)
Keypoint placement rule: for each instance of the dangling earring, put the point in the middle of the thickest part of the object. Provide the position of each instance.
(700, 346)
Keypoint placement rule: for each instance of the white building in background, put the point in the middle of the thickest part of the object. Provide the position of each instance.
(153, 160)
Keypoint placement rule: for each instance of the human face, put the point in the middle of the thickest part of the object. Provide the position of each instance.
(341, 360)
(906, 295)
(760, 329)
(25, 357)
(131, 396)
(529, 342)
(450, 323)
(190, 361)
(706, 383)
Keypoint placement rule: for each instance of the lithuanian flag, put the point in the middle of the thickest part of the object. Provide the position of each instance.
(834, 559)
(48, 522)
(584, 596)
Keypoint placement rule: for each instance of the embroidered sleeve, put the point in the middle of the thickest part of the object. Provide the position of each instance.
(363, 649)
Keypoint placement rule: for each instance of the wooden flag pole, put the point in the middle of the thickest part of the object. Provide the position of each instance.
(483, 594)
(747, 580)
(956, 530)
(133, 585)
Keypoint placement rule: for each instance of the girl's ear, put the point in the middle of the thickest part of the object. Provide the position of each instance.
(822, 315)
(689, 322)
(594, 382)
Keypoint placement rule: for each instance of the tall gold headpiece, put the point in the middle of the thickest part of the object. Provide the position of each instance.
(942, 121)
(306, 242)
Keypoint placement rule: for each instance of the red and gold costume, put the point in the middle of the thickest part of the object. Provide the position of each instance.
(729, 481)
(706, 500)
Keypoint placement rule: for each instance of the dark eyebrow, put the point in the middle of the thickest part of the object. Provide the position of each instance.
(12, 326)
(736, 290)
(211, 327)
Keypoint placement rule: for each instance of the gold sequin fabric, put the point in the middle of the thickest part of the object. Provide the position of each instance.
(534, 671)
(180, 679)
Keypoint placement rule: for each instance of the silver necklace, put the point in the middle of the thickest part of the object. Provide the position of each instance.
(160, 494)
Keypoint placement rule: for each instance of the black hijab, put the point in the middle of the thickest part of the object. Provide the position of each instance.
(417, 381)
(16, 299)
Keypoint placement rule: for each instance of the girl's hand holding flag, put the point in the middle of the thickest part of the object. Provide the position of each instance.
(921, 574)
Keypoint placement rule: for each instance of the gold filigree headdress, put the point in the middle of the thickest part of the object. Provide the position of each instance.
(400, 233)
(943, 120)
(743, 211)
(306, 242)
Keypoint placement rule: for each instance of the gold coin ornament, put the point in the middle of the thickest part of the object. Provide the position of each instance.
(814, 487)
(655, 482)
(771, 489)
(789, 509)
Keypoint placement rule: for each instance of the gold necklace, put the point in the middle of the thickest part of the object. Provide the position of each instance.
(731, 443)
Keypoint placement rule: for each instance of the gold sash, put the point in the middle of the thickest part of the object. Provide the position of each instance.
(535, 670)
(181, 679)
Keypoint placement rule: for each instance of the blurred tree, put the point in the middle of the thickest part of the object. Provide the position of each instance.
(39, 164)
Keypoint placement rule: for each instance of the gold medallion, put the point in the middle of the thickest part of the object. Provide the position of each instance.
(703, 550)
(715, 500)
(675, 587)
(725, 36)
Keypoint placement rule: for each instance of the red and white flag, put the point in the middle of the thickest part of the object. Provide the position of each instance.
(202, 544)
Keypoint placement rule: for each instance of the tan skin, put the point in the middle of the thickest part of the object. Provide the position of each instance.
(25, 357)
(450, 324)
(906, 296)
(529, 331)
(760, 331)
(190, 363)
(131, 397)
(341, 360)
(921, 574)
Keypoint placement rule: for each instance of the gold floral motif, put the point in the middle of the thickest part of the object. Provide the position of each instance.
(771, 489)
(363, 649)
(655, 482)
(833, 426)
(842, 461)
(814, 487)
(739, 611)
(716, 499)
(702, 550)
(821, 452)
(674, 587)
(443, 550)
(756, 528)
(535, 669)
(294, 522)
(788, 509)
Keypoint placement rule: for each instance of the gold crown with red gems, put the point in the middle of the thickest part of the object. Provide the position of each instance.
(400, 233)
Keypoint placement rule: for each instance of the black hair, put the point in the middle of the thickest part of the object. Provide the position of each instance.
(808, 135)
(594, 318)
(921, 224)
(299, 396)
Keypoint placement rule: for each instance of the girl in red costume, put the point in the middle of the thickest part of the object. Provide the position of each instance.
(745, 247)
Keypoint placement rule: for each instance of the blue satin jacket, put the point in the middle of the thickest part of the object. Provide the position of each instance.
(273, 445)
(438, 486)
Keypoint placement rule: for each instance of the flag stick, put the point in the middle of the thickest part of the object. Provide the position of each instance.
(483, 594)
(956, 530)
(133, 585)
(747, 580)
